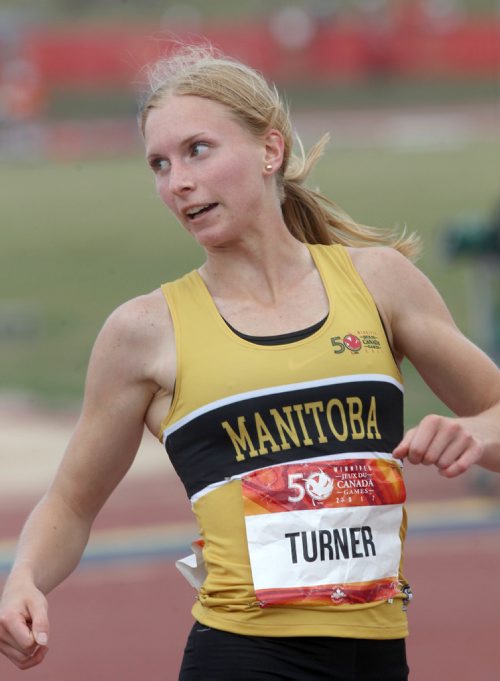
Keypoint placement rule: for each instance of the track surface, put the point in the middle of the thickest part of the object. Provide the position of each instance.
(124, 614)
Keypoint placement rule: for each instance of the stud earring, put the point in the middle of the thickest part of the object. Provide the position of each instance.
(269, 166)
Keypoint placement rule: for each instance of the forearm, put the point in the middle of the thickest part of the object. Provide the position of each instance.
(50, 546)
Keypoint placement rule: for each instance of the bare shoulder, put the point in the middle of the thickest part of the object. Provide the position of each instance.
(136, 340)
(140, 318)
(382, 264)
(381, 268)
(398, 286)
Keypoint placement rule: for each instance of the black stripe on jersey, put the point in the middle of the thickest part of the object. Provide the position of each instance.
(283, 426)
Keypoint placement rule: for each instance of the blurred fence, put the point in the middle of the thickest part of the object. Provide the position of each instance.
(72, 55)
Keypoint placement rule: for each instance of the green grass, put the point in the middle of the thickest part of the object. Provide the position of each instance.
(227, 10)
(80, 238)
(383, 92)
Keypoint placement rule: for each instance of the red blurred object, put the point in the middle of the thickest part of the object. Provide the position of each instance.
(23, 95)
(114, 56)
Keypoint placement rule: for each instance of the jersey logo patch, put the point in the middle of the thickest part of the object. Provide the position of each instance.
(355, 343)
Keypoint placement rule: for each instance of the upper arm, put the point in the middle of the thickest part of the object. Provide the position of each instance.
(119, 387)
(423, 330)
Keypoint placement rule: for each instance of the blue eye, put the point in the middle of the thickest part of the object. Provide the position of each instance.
(159, 164)
(198, 148)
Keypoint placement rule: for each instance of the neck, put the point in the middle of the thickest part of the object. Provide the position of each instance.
(262, 268)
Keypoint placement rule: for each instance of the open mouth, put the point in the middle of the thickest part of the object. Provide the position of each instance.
(200, 210)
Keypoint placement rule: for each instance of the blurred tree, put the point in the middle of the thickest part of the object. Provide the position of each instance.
(478, 239)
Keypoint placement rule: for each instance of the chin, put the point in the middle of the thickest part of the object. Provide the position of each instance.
(213, 237)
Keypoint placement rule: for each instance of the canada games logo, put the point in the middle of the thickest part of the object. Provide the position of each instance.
(348, 342)
(366, 339)
(319, 486)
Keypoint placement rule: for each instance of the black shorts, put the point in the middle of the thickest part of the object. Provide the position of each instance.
(214, 655)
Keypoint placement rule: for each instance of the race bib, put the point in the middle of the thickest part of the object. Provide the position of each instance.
(325, 531)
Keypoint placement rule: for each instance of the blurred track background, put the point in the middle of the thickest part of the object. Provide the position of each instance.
(410, 94)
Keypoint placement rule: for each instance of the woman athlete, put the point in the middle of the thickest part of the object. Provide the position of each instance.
(271, 375)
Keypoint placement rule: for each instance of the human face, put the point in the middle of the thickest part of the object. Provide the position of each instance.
(209, 169)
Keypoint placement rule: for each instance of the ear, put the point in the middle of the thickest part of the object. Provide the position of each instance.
(274, 146)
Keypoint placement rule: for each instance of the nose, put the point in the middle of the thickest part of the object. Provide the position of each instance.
(181, 180)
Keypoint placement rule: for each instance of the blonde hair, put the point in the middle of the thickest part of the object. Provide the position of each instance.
(310, 217)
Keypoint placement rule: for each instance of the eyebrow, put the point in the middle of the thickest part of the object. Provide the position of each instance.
(183, 143)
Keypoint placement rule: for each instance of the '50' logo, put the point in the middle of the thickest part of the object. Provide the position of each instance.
(318, 486)
(350, 341)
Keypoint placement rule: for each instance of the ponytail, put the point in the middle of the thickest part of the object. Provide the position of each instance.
(313, 218)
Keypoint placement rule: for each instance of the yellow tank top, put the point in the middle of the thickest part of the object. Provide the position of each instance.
(285, 454)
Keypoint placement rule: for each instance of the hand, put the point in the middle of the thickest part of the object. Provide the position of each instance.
(448, 443)
(24, 626)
